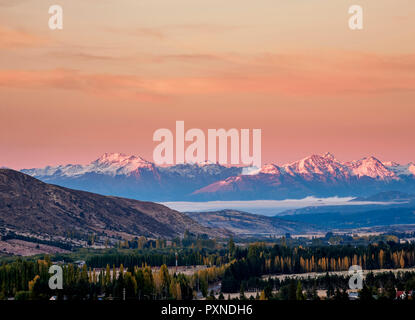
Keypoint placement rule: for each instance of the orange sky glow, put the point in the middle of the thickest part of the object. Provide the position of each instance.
(119, 70)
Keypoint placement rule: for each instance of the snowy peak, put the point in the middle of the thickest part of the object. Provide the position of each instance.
(121, 159)
(390, 164)
(321, 175)
(327, 165)
(400, 170)
(270, 169)
(320, 165)
(111, 164)
(329, 156)
(371, 167)
(119, 163)
(316, 175)
(200, 170)
(50, 171)
(324, 167)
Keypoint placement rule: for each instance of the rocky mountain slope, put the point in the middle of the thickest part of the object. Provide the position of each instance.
(29, 205)
(317, 175)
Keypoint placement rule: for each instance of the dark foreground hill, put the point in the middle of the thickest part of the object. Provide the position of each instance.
(31, 206)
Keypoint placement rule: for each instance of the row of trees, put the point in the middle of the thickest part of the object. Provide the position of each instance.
(185, 257)
(188, 240)
(30, 280)
(376, 286)
(116, 272)
(259, 260)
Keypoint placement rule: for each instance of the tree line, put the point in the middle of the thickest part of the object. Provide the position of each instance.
(26, 280)
(383, 286)
(185, 257)
(259, 259)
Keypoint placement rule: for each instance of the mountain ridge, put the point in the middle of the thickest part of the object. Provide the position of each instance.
(316, 175)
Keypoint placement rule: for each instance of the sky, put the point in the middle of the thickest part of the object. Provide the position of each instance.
(120, 70)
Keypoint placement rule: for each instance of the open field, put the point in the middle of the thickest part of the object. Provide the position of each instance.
(25, 248)
(338, 273)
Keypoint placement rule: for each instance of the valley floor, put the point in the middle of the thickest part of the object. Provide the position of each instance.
(337, 273)
(26, 248)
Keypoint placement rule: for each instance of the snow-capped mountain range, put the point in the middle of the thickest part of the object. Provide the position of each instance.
(317, 175)
(112, 164)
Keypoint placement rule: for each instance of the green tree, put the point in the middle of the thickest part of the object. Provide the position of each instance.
(231, 249)
(165, 280)
(365, 294)
(299, 292)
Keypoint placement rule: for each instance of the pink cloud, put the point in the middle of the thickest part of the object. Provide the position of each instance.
(104, 85)
(12, 38)
(273, 75)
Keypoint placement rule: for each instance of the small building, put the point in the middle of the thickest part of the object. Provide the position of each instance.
(79, 263)
(353, 295)
(403, 294)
